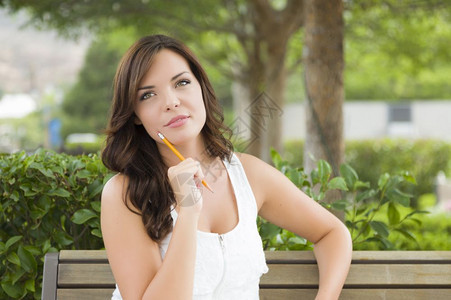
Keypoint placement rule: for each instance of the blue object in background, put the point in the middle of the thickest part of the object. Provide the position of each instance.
(55, 133)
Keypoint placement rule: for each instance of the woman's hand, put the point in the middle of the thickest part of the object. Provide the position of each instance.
(185, 179)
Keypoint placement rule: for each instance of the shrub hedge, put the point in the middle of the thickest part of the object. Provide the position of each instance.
(371, 158)
(48, 202)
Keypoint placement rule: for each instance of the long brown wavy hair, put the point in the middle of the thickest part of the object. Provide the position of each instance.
(131, 151)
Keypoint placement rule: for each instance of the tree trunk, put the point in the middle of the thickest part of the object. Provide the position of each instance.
(323, 65)
(266, 51)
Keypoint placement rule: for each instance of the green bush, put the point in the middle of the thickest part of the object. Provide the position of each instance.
(48, 202)
(371, 158)
(374, 214)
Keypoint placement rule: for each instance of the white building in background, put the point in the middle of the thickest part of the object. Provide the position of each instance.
(379, 119)
(16, 106)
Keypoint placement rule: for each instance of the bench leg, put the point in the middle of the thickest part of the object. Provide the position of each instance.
(50, 276)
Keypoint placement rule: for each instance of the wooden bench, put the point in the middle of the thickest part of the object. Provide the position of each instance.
(292, 275)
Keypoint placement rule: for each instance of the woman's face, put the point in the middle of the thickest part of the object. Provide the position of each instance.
(170, 99)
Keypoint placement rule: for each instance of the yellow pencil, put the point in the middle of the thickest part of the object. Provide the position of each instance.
(180, 156)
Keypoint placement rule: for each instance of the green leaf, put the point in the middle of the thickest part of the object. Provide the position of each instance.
(296, 240)
(393, 214)
(409, 177)
(29, 285)
(96, 232)
(406, 234)
(385, 243)
(84, 174)
(59, 192)
(46, 246)
(275, 156)
(339, 205)
(314, 177)
(63, 239)
(27, 260)
(34, 250)
(17, 274)
(269, 230)
(15, 196)
(360, 184)
(37, 213)
(337, 183)
(400, 197)
(417, 212)
(76, 164)
(350, 176)
(96, 206)
(380, 227)
(14, 291)
(42, 169)
(83, 215)
(419, 222)
(14, 258)
(94, 189)
(324, 171)
(365, 195)
(12, 240)
(383, 179)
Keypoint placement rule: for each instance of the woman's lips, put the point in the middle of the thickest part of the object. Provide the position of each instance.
(177, 121)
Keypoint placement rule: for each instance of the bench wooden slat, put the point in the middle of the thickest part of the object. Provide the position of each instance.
(83, 255)
(279, 294)
(73, 275)
(365, 257)
(359, 294)
(367, 275)
(86, 274)
(299, 256)
(91, 294)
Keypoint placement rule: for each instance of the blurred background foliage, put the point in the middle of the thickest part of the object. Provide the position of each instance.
(394, 50)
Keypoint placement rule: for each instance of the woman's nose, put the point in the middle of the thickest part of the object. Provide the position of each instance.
(172, 101)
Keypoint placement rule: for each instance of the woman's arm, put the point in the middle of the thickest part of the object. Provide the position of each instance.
(283, 204)
(135, 259)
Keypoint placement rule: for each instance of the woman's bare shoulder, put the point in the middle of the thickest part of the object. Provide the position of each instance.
(114, 192)
(115, 186)
(116, 183)
(251, 164)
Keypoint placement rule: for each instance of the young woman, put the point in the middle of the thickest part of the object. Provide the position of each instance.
(166, 236)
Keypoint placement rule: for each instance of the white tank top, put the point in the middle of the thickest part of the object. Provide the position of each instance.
(229, 265)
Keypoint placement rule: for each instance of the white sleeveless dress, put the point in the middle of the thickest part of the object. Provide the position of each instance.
(229, 265)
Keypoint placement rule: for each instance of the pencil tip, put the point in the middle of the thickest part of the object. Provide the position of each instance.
(208, 187)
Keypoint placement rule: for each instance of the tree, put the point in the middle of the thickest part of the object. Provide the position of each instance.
(86, 105)
(323, 64)
(398, 50)
(260, 27)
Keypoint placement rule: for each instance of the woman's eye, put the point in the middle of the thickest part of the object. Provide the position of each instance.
(147, 95)
(182, 82)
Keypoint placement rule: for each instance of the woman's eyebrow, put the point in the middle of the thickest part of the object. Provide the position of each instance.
(172, 79)
(178, 75)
